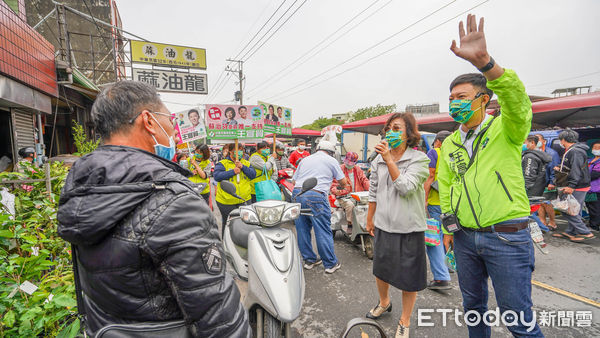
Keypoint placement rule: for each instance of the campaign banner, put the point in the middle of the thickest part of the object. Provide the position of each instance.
(229, 122)
(278, 119)
(189, 126)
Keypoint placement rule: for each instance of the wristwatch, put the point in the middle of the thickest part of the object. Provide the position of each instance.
(489, 66)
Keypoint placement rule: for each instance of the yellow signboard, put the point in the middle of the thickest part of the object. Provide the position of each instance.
(167, 55)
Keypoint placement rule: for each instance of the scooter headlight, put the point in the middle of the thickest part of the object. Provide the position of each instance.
(291, 213)
(248, 215)
(269, 212)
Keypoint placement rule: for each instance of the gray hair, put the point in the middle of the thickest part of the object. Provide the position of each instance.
(118, 105)
(569, 135)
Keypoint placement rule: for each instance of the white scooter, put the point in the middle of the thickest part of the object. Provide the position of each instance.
(358, 235)
(267, 256)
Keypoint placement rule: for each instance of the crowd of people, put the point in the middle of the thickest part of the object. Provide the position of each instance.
(149, 247)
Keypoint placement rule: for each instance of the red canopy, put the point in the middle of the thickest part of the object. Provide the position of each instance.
(569, 111)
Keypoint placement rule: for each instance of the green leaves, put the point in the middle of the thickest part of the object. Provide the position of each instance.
(9, 319)
(31, 250)
(65, 300)
(367, 112)
(83, 145)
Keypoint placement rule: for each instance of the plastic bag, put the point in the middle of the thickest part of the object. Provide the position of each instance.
(567, 204)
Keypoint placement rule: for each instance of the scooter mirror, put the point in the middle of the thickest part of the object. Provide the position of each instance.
(309, 184)
(229, 188)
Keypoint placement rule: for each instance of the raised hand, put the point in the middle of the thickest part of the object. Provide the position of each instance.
(473, 47)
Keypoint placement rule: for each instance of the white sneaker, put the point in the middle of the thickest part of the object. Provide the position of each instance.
(334, 268)
(309, 265)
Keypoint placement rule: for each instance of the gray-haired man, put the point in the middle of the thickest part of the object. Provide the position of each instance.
(147, 244)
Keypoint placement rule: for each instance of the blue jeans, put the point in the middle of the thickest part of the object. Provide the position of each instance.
(320, 222)
(508, 259)
(437, 254)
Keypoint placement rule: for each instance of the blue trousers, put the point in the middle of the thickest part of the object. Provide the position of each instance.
(437, 254)
(320, 222)
(508, 259)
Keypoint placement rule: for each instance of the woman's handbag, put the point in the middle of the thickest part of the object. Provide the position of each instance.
(432, 234)
(267, 189)
(561, 175)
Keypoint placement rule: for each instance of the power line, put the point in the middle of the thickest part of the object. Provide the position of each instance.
(267, 32)
(566, 79)
(257, 32)
(382, 53)
(277, 30)
(217, 83)
(368, 48)
(280, 74)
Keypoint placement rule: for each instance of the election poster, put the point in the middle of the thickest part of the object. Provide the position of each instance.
(229, 122)
(278, 119)
(189, 126)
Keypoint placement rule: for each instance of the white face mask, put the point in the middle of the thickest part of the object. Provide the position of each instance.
(539, 145)
(301, 148)
(596, 152)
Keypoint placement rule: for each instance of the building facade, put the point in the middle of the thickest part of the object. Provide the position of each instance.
(27, 82)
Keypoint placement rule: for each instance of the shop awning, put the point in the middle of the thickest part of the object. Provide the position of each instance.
(83, 85)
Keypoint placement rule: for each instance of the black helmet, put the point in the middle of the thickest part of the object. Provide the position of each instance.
(26, 152)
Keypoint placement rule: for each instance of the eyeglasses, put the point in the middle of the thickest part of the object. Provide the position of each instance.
(171, 117)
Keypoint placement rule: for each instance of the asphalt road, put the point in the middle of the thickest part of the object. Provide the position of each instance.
(568, 271)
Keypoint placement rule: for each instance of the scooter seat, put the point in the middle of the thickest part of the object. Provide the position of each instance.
(239, 232)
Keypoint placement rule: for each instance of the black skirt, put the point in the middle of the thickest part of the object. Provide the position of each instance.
(399, 259)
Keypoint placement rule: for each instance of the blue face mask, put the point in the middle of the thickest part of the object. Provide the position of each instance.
(393, 138)
(524, 147)
(461, 111)
(265, 152)
(166, 152)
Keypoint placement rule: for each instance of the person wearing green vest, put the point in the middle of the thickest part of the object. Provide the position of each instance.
(436, 254)
(199, 165)
(262, 162)
(482, 190)
(240, 173)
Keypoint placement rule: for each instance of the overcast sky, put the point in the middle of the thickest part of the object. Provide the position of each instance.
(549, 43)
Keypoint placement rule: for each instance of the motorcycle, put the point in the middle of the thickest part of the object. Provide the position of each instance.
(267, 260)
(284, 182)
(358, 234)
(534, 229)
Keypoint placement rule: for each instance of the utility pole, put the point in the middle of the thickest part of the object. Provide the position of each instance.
(63, 35)
(241, 78)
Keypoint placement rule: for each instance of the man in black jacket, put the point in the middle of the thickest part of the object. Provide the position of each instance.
(534, 164)
(578, 183)
(147, 244)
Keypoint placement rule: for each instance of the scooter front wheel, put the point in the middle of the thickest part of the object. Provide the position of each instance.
(368, 246)
(272, 327)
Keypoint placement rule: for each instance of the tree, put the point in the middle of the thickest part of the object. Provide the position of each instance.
(82, 143)
(321, 123)
(367, 112)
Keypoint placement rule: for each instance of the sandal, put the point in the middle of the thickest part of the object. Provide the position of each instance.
(562, 235)
(552, 227)
(379, 310)
(582, 238)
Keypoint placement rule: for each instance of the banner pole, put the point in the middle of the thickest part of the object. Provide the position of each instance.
(274, 142)
(237, 159)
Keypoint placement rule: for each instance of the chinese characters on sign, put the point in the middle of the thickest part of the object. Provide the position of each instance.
(189, 126)
(278, 119)
(225, 122)
(168, 81)
(167, 55)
